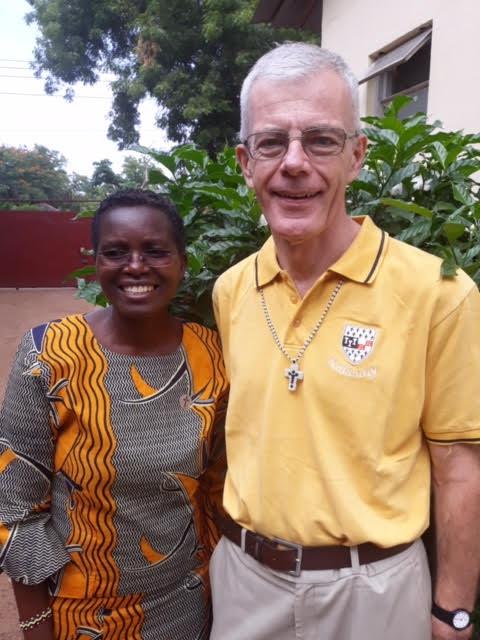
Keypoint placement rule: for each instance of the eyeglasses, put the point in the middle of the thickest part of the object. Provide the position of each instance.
(316, 142)
(152, 256)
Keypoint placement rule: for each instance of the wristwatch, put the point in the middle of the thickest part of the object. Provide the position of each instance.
(458, 619)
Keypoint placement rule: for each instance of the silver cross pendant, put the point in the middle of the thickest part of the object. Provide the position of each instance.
(294, 375)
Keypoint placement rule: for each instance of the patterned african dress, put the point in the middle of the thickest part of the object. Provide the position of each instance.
(111, 467)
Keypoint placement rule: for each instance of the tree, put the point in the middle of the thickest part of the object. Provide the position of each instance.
(190, 55)
(135, 172)
(103, 174)
(35, 175)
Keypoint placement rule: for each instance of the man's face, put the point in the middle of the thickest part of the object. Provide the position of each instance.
(301, 197)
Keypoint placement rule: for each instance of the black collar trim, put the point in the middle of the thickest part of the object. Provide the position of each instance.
(377, 258)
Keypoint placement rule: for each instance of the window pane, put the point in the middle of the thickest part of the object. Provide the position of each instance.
(412, 72)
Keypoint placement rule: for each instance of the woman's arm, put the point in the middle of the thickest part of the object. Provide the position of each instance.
(32, 600)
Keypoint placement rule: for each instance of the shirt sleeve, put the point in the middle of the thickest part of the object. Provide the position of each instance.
(452, 407)
(30, 548)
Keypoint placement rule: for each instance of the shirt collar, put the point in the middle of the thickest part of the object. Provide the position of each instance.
(362, 259)
(360, 262)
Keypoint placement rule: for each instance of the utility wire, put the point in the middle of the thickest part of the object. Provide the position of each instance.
(33, 77)
(51, 95)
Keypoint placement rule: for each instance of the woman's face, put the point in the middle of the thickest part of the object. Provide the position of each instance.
(139, 266)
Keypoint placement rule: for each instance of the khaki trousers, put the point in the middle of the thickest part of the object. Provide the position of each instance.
(385, 600)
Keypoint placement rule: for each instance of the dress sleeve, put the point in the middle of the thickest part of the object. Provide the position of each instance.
(213, 478)
(30, 548)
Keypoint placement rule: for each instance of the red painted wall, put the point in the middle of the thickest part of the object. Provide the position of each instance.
(41, 248)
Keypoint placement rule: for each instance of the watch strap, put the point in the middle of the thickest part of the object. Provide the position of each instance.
(447, 616)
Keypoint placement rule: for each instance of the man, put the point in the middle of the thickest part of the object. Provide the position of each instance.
(354, 372)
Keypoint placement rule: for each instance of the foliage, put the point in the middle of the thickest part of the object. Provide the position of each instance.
(36, 174)
(31, 179)
(190, 56)
(419, 183)
(105, 180)
(103, 174)
(222, 219)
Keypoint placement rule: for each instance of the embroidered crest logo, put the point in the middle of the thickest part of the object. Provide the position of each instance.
(357, 342)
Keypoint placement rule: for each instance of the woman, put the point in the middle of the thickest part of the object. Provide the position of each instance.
(111, 448)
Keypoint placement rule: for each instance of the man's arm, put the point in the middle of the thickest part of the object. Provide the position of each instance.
(456, 495)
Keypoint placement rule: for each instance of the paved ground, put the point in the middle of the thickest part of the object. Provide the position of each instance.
(21, 309)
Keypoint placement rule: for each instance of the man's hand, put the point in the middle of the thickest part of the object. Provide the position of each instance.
(442, 631)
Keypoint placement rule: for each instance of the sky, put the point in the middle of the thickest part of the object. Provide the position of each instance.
(78, 130)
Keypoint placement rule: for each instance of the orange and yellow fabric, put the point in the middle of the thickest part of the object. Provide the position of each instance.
(111, 467)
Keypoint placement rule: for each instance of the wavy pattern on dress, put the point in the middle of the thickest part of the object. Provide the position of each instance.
(88, 461)
(98, 619)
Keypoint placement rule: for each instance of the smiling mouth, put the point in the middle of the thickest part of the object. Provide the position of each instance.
(138, 289)
(297, 196)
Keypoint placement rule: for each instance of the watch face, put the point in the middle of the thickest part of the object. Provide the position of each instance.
(461, 619)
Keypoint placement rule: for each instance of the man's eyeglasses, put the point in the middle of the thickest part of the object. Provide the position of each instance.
(316, 142)
(152, 256)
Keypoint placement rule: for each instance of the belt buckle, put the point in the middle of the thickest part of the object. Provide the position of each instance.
(298, 559)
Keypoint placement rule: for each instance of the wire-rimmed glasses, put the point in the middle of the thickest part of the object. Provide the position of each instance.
(316, 142)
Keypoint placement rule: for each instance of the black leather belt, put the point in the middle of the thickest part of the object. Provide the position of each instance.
(281, 555)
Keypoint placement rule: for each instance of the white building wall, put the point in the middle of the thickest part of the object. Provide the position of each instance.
(357, 28)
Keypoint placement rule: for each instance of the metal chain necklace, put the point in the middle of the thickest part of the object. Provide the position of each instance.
(293, 373)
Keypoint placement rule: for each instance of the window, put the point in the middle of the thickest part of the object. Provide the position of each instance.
(403, 70)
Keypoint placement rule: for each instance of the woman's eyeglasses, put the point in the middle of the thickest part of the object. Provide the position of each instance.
(152, 256)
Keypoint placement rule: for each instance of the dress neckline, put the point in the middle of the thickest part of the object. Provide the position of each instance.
(117, 354)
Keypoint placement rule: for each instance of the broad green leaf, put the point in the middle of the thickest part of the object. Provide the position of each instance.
(472, 253)
(167, 160)
(407, 206)
(82, 272)
(382, 135)
(462, 194)
(440, 152)
(86, 213)
(449, 268)
(453, 231)
(416, 233)
(197, 156)
(365, 186)
(402, 174)
(397, 105)
(464, 168)
(159, 176)
(91, 292)
(194, 263)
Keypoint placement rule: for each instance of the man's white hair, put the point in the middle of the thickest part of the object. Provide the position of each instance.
(295, 60)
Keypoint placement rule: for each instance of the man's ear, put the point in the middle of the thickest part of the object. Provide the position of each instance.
(358, 156)
(244, 160)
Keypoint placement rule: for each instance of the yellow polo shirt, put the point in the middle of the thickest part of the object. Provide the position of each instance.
(343, 459)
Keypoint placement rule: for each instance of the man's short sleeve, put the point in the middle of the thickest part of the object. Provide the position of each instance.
(452, 384)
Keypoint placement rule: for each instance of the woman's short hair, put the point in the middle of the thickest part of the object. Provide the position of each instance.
(140, 198)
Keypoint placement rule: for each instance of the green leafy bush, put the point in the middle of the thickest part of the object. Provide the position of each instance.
(222, 219)
(418, 183)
